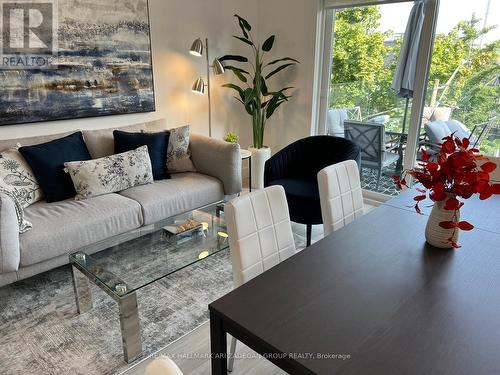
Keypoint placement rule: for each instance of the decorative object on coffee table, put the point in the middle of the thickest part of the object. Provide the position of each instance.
(458, 171)
(259, 101)
(102, 65)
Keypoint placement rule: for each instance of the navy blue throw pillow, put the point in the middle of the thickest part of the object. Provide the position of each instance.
(47, 162)
(157, 147)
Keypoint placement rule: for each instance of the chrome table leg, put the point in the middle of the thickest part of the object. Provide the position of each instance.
(82, 291)
(129, 323)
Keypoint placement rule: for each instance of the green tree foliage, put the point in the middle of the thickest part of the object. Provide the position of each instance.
(364, 63)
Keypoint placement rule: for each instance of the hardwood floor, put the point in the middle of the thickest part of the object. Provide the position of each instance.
(192, 354)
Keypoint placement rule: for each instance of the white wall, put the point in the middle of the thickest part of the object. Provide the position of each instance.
(294, 24)
(174, 25)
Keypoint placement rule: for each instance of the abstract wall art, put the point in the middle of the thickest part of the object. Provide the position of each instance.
(66, 59)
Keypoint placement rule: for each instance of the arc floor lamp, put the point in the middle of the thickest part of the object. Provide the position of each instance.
(199, 85)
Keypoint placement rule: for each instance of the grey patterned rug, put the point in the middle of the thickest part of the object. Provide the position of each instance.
(41, 332)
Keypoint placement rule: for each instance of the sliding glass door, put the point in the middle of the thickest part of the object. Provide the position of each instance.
(361, 49)
(463, 93)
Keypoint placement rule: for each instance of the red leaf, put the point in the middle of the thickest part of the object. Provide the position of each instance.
(464, 225)
(455, 245)
(488, 167)
(425, 156)
(495, 188)
(423, 191)
(448, 146)
(465, 143)
(417, 208)
(419, 198)
(447, 224)
(451, 204)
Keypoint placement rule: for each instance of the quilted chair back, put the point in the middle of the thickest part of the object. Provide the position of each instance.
(260, 232)
(340, 195)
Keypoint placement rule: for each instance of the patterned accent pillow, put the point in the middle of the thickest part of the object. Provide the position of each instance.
(17, 178)
(178, 154)
(111, 173)
(24, 225)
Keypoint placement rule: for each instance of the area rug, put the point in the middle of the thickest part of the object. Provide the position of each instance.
(41, 332)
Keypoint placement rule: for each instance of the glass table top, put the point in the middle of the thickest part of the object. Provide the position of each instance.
(155, 252)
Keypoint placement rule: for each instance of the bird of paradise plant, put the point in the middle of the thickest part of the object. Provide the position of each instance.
(259, 101)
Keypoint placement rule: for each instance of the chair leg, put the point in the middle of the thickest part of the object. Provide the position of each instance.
(232, 350)
(309, 232)
(379, 174)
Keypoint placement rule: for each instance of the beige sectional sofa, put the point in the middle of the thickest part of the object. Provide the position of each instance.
(63, 227)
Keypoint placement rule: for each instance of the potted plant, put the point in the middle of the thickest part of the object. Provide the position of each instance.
(457, 172)
(254, 94)
(231, 137)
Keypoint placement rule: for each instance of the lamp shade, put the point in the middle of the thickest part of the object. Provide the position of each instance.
(196, 48)
(218, 67)
(199, 86)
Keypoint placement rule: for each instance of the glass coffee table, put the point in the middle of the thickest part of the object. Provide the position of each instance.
(132, 261)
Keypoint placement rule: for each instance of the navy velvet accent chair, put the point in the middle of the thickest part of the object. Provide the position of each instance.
(296, 168)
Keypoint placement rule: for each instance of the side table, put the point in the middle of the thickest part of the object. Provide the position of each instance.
(245, 154)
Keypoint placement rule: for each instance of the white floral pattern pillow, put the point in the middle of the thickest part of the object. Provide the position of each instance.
(178, 155)
(111, 173)
(17, 178)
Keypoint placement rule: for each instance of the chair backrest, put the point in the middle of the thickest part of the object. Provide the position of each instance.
(162, 366)
(336, 117)
(260, 232)
(481, 132)
(340, 195)
(369, 137)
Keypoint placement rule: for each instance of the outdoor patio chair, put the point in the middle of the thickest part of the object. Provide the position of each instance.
(336, 117)
(371, 138)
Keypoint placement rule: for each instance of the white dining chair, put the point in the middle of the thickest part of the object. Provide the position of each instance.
(340, 195)
(163, 366)
(260, 236)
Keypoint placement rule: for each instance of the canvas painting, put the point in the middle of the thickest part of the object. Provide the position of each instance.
(65, 59)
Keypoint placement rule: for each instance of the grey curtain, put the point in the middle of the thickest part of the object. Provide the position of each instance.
(404, 78)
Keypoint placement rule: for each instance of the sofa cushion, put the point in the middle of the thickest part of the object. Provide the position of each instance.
(184, 192)
(111, 173)
(62, 227)
(101, 142)
(47, 161)
(157, 148)
(16, 176)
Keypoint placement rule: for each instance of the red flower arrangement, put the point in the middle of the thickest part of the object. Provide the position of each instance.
(456, 172)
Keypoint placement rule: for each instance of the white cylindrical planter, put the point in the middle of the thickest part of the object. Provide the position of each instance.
(259, 158)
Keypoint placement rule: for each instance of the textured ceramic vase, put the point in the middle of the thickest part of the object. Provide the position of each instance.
(259, 158)
(434, 234)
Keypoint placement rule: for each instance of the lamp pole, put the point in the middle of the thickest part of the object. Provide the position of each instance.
(209, 87)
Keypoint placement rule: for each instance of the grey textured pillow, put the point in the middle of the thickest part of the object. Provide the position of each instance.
(178, 154)
(111, 173)
(17, 178)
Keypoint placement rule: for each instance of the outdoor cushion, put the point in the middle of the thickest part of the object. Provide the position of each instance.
(62, 227)
(184, 192)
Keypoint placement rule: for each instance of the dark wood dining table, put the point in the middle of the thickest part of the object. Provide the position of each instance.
(374, 298)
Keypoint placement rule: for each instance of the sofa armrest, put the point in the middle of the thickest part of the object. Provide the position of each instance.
(9, 235)
(218, 159)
